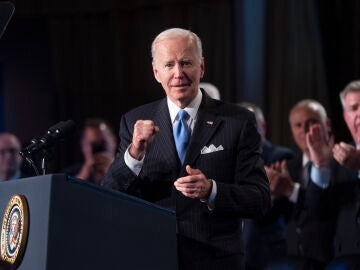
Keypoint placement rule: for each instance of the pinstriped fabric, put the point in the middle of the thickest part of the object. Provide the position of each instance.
(243, 189)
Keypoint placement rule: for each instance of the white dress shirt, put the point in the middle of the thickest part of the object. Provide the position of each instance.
(319, 176)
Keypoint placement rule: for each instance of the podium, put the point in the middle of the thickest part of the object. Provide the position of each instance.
(74, 224)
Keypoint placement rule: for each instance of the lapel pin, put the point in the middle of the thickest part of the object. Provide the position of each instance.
(210, 123)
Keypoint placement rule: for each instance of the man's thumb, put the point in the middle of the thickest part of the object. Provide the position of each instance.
(192, 171)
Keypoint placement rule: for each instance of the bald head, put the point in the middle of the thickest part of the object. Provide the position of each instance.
(10, 160)
(304, 114)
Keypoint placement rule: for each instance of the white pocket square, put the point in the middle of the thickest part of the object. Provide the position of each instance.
(210, 149)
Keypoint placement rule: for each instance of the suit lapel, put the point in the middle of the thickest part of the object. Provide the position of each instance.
(206, 124)
(164, 139)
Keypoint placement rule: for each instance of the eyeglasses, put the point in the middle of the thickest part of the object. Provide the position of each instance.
(11, 151)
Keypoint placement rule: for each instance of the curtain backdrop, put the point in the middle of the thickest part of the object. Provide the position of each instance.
(295, 66)
(313, 51)
(102, 62)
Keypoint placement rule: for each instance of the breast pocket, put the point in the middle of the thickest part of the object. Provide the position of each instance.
(216, 164)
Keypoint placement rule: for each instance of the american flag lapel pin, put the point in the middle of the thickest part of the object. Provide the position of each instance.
(210, 123)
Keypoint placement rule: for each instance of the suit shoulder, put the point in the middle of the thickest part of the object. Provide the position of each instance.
(233, 110)
(145, 111)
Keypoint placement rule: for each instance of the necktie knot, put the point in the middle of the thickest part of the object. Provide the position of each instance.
(183, 115)
(182, 134)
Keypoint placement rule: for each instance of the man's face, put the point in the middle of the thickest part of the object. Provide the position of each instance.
(10, 160)
(179, 68)
(301, 119)
(352, 114)
(93, 140)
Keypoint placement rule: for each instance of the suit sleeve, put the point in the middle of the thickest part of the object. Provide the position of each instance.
(119, 176)
(248, 196)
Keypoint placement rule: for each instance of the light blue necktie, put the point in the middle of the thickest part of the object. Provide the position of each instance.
(182, 134)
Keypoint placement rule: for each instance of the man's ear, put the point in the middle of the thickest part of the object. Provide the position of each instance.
(156, 74)
(202, 66)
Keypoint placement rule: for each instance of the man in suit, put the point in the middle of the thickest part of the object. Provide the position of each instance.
(265, 238)
(10, 160)
(347, 237)
(193, 154)
(305, 182)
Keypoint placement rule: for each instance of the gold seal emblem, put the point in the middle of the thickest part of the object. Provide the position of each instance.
(14, 230)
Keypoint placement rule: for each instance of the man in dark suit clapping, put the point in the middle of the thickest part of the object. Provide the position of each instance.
(194, 154)
(305, 182)
(347, 186)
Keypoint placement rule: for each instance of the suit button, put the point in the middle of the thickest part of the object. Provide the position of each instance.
(298, 230)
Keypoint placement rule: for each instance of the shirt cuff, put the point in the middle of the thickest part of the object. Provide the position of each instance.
(133, 164)
(295, 193)
(320, 176)
(211, 200)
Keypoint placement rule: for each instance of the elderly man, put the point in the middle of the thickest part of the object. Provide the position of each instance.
(305, 182)
(347, 237)
(193, 154)
(10, 160)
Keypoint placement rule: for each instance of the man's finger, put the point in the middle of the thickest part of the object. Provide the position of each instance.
(192, 171)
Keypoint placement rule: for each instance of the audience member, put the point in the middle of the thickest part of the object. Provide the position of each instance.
(304, 181)
(347, 237)
(212, 174)
(98, 146)
(210, 89)
(265, 238)
(10, 159)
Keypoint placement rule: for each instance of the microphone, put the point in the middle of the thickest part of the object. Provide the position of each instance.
(54, 134)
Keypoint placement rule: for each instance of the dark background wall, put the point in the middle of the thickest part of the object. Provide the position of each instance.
(77, 59)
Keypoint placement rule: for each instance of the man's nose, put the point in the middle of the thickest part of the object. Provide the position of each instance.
(178, 70)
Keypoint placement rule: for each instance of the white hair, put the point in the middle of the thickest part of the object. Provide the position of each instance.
(210, 89)
(177, 33)
(353, 86)
(312, 105)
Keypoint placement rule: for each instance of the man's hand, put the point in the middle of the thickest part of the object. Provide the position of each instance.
(281, 183)
(347, 155)
(195, 185)
(319, 145)
(144, 134)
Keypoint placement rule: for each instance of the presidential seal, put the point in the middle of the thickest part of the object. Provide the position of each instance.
(14, 230)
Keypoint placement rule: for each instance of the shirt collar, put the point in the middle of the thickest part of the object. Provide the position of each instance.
(191, 109)
(305, 159)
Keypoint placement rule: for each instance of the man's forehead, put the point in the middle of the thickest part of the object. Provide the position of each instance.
(352, 96)
(306, 114)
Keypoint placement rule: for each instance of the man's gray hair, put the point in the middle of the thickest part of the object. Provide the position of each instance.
(353, 86)
(312, 105)
(177, 33)
(259, 115)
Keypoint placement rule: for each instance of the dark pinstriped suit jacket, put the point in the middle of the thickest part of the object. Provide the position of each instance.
(312, 220)
(243, 189)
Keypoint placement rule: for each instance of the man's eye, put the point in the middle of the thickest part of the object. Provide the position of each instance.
(185, 63)
(169, 65)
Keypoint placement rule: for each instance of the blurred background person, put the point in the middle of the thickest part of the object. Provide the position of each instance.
(304, 181)
(10, 159)
(98, 146)
(211, 90)
(265, 238)
(347, 236)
